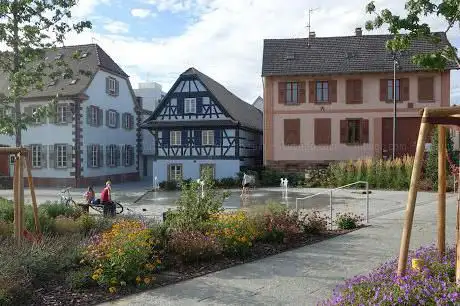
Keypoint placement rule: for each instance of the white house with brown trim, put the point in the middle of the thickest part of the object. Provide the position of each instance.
(93, 137)
(331, 98)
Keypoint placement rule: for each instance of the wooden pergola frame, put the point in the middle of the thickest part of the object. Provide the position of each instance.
(20, 163)
(443, 118)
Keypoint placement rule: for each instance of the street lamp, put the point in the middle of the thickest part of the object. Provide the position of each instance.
(395, 63)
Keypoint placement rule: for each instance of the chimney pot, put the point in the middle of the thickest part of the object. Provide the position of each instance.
(312, 35)
(359, 32)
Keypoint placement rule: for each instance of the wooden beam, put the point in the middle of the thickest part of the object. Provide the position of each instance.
(412, 196)
(452, 120)
(442, 157)
(10, 150)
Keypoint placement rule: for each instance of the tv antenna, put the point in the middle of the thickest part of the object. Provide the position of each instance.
(309, 24)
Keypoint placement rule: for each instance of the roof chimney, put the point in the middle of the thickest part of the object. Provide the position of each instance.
(359, 32)
(312, 35)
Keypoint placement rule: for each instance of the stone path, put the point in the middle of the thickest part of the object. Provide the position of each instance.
(307, 275)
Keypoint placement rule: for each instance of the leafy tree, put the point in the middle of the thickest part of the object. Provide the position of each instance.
(431, 163)
(27, 29)
(411, 27)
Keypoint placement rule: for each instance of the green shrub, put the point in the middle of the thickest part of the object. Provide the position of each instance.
(80, 279)
(64, 225)
(228, 182)
(6, 210)
(169, 185)
(347, 221)
(193, 246)
(281, 227)
(431, 162)
(314, 222)
(6, 228)
(54, 209)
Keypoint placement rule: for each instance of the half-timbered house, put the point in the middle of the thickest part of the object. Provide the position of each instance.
(199, 124)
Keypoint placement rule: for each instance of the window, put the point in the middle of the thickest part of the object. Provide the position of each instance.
(36, 156)
(190, 106)
(128, 155)
(292, 93)
(112, 156)
(291, 132)
(354, 131)
(207, 168)
(128, 121)
(111, 86)
(94, 112)
(61, 156)
(207, 138)
(390, 90)
(95, 156)
(175, 138)
(35, 114)
(84, 55)
(73, 82)
(62, 114)
(322, 91)
(112, 119)
(175, 172)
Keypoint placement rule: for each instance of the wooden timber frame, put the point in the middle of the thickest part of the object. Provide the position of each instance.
(21, 161)
(442, 118)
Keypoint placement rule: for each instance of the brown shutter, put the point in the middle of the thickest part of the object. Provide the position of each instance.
(383, 89)
(404, 89)
(281, 92)
(322, 131)
(291, 131)
(358, 91)
(311, 92)
(364, 131)
(426, 89)
(302, 92)
(332, 90)
(349, 93)
(343, 131)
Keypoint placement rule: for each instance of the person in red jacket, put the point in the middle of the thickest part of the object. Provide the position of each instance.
(106, 200)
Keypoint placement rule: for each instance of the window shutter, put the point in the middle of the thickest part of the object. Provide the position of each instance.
(88, 156)
(88, 115)
(124, 121)
(100, 162)
(198, 135)
(199, 105)
(123, 154)
(358, 91)
(183, 140)
(69, 152)
(44, 156)
(131, 157)
(131, 124)
(311, 92)
(69, 112)
(281, 92)
(107, 85)
(52, 156)
(426, 89)
(29, 154)
(217, 137)
(343, 131)
(349, 94)
(322, 131)
(117, 120)
(405, 89)
(117, 155)
(107, 155)
(364, 131)
(165, 138)
(100, 116)
(332, 90)
(107, 117)
(117, 87)
(383, 89)
(302, 97)
(292, 131)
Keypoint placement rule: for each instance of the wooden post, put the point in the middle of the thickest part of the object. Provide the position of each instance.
(21, 191)
(457, 239)
(412, 197)
(442, 157)
(32, 193)
(17, 213)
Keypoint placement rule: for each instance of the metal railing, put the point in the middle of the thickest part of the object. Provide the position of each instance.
(330, 192)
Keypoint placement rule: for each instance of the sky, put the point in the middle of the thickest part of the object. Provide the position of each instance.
(157, 40)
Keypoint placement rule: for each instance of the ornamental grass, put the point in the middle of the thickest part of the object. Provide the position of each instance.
(429, 283)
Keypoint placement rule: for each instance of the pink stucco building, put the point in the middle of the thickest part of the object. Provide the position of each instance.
(331, 98)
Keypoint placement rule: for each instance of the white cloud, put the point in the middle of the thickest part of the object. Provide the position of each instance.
(141, 13)
(116, 27)
(84, 8)
(226, 41)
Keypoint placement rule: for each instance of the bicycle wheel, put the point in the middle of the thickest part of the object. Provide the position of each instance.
(97, 208)
(118, 208)
(71, 202)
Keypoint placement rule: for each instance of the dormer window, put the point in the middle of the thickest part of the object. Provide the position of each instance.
(73, 82)
(84, 55)
(190, 105)
(59, 56)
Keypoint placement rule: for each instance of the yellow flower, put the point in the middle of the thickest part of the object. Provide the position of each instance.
(95, 277)
(147, 280)
(138, 279)
(112, 289)
(158, 261)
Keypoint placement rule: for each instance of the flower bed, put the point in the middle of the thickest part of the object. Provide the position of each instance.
(430, 281)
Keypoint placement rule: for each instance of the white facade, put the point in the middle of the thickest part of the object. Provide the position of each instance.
(191, 168)
(151, 94)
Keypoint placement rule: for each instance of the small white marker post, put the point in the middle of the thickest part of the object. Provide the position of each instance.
(201, 182)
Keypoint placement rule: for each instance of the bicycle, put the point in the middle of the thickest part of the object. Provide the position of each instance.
(66, 199)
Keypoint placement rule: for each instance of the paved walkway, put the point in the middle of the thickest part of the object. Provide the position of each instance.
(307, 275)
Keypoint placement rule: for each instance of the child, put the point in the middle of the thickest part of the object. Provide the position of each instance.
(106, 200)
(90, 196)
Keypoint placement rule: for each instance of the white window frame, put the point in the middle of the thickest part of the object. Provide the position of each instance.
(112, 85)
(34, 110)
(175, 172)
(127, 153)
(95, 156)
(190, 106)
(112, 118)
(94, 113)
(128, 120)
(62, 113)
(175, 138)
(61, 156)
(112, 156)
(207, 138)
(36, 151)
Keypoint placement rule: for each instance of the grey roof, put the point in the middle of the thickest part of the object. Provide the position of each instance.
(340, 55)
(240, 111)
(96, 59)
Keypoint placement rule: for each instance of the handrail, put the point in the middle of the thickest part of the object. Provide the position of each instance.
(330, 191)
